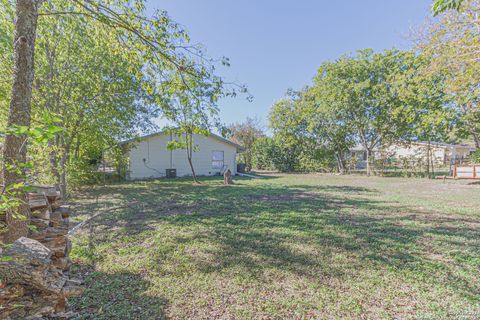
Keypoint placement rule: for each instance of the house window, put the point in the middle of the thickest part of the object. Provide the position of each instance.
(217, 160)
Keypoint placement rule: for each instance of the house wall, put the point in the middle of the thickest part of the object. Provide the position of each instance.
(460, 152)
(417, 151)
(154, 150)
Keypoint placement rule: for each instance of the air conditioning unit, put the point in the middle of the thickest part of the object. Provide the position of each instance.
(171, 173)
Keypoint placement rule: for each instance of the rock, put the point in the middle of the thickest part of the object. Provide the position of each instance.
(73, 291)
(29, 264)
(62, 263)
(11, 292)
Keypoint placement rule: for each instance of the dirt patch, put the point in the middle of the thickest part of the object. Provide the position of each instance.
(291, 196)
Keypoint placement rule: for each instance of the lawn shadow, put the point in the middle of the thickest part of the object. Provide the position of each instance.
(264, 226)
(120, 295)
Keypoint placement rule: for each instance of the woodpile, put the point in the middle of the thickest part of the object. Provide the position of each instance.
(34, 273)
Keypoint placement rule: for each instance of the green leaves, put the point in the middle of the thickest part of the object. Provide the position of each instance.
(176, 144)
(440, 6)
(40, 134)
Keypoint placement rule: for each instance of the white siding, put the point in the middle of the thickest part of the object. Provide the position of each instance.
(416, 151)
(154, 150)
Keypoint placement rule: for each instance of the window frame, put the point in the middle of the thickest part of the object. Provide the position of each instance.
(214, 160)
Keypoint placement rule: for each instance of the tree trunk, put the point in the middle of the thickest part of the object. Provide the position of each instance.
(193, 170)
(340, 162)
(428, 159)
(369, 167)
(54, 163)
(63, 174)
(15, 149)
(189, 149)
(432, 164)
(476, 139)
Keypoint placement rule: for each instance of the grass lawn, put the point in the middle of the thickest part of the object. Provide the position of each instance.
(282, 247)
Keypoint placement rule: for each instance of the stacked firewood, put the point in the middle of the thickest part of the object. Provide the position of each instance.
(34, 270)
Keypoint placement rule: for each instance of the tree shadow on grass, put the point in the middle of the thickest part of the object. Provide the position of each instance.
(117, 296)
(259, 227)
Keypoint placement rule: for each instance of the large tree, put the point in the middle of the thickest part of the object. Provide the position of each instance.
(359, 88)
(453, 44)
(148, 52)
(15, 145)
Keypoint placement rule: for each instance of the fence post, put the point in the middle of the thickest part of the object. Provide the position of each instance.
(474, 171)
(455, 169)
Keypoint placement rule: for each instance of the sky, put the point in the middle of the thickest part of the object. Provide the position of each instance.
(277, 45)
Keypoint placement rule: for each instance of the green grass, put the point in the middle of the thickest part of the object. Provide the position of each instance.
(283, 247)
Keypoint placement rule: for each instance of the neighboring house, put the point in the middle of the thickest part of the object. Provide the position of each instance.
(148, 156)
(442, 153)
(359, 155)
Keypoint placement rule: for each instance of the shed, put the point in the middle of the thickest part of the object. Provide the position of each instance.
(149, 157)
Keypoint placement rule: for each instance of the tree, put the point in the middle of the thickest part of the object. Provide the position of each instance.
(154, 49)
(193, 112)
(425, 104)
(327, 124)
(288, 128)
(264, 153)
(360, 89)
(15, 147)
(101, 93)
(453, 46)
(298, 145)
(245, 134)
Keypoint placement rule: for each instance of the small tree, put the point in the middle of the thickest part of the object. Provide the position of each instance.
(193, 110)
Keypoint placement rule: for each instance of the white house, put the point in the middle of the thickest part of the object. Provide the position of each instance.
(149, 157)
(441, 153)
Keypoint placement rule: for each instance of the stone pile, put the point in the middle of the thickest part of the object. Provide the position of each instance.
(34, 270)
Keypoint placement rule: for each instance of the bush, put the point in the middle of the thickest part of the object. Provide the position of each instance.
(475, 156)
(274, 154)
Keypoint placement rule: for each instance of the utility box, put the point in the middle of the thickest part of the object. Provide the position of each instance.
(241, 167)
(171, 173)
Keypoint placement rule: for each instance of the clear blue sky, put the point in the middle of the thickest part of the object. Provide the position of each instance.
(277, 45)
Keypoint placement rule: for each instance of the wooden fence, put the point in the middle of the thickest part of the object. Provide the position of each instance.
(466, 171)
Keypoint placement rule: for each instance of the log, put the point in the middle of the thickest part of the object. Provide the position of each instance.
(57, 245)
(59, 231)
(37, 201)
(43, 213)
(48, 191)
(40, 223)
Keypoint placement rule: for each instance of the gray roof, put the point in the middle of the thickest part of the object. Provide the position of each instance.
(359, 147)
(213, 135)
